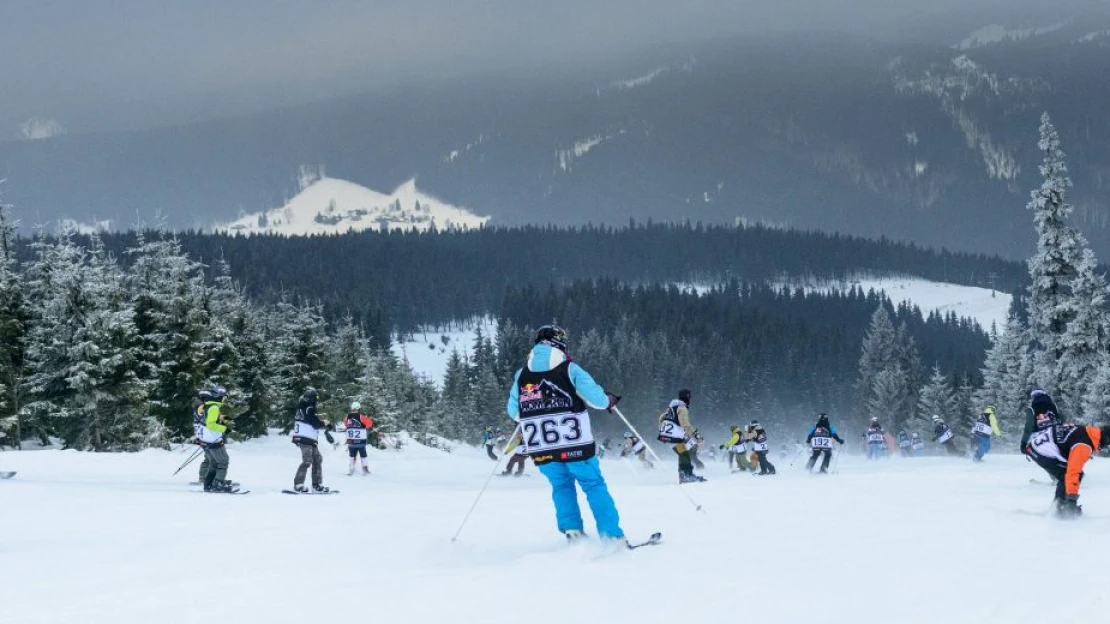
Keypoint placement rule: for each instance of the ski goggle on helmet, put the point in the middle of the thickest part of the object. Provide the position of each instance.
(553, 335)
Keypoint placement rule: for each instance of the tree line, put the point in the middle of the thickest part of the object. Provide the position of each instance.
(402, 281)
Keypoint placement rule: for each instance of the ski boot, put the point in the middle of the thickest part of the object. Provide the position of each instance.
(1069, 508)
(365, 471)
(300, 489)
(573, 535)
(320, 489)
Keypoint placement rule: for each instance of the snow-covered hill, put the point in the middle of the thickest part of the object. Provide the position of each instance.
(104, 538)
(333, 206)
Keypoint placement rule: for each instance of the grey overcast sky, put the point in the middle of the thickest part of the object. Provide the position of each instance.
(58, 57)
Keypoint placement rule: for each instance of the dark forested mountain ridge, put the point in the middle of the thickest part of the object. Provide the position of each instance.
(930, 143)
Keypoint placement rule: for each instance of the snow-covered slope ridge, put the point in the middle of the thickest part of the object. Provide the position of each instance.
(333, 206)
(105, 538)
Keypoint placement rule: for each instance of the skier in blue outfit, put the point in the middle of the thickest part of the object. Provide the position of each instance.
(549, 398)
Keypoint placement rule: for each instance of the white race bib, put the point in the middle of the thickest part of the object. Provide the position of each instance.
(944, 437)
(672, 430)
(983, 428)
(1044, 445)
(759, 446)
(875, 438)
(558, 431)
(356, 434)
(917, 446)
(821, 443)
(638, 447)
(305, 430)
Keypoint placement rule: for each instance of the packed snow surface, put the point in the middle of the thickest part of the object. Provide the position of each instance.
(333, 206)
(114, 538)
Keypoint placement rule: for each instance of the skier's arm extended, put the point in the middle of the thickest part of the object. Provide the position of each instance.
(513, 406)
(835, 436)
(593, 394)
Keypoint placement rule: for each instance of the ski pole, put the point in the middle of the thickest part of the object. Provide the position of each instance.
(836, 461)
(496, 465)
(188, 461)
(693, 502)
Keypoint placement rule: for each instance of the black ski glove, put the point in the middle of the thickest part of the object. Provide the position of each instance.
(327, 434)
(613, 400)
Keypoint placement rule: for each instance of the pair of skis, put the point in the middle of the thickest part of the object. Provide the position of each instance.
(7, 475)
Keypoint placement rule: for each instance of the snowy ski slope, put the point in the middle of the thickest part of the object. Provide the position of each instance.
(94, 538)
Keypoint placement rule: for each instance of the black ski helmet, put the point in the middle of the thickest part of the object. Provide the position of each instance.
(309, 393)
(823, 420)
(553, 335)
(684, 396)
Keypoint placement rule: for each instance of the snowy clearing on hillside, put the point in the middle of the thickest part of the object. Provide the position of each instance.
(982, 305)
(997, 33)
(428, 351)
(112, 538)
(333, 206)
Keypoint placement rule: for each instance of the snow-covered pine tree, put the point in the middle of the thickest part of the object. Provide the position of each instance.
(172, 320)
(297, 336)
(1062, 359)
(84, 355)
(888, 350)
(347, 364)
(13, 328)
(937, 397)
(887, 388)
(1086, 335)
(1096, 404)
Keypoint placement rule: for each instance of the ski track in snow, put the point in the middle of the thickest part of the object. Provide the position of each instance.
(106, 537)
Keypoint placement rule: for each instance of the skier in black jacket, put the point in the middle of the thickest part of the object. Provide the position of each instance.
(820, 439)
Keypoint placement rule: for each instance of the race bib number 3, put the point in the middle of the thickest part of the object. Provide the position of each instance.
(548, 433)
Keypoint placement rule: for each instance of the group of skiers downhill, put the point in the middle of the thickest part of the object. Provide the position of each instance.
(211, 426)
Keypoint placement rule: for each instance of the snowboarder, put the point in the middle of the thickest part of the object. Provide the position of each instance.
(916, 445)
(306, 434)
(489, 440)
(760, 446)
(358, 426)
(675, 428)
(1062, 450)
(942, 435)
(517, 456)
(985, 426)
(549, 397)
(905, 443)
(820, 439)
(635, 446)
(876, 443)
(1041, 408)
(212, 436)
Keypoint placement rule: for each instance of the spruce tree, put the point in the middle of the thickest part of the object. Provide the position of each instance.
(937, 398)
(13, 328)
(1058, 295)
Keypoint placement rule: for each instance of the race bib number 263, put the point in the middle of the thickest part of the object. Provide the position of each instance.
(553, 432)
